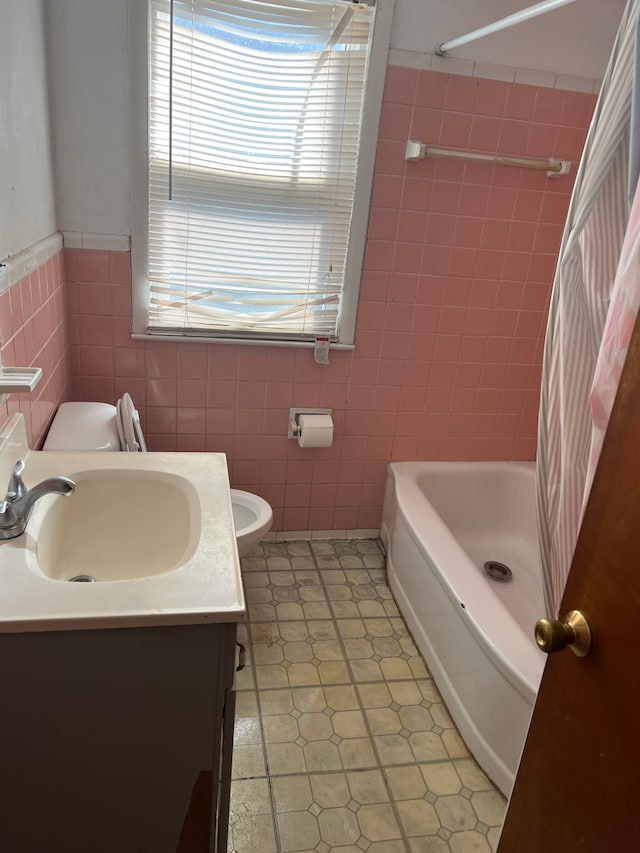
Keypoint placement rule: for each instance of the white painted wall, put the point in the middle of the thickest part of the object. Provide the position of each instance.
(26, 190)
(89, 95)
(89, 81)
(574, 40)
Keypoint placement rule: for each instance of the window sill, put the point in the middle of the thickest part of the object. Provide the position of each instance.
(257, 342)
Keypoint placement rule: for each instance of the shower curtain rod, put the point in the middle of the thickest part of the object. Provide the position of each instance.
(552, 166)
(503, 23)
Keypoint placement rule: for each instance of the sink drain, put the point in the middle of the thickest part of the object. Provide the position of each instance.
(498, 571)
(82, 579)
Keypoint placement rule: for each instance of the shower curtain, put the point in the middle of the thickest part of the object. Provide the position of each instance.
(589, 255)
(621, 318)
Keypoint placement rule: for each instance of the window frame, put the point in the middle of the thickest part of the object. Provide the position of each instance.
(139, 35)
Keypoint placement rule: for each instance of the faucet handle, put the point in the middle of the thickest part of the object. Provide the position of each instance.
(7, 513)
(16, 488)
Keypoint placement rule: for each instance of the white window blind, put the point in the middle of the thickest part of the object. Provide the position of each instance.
(255, 114)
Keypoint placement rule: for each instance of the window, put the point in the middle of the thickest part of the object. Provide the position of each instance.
(260, 137)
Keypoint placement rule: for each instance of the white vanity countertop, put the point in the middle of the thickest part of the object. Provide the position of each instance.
(207, 588)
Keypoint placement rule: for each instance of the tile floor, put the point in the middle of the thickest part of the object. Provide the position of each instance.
(342, 740)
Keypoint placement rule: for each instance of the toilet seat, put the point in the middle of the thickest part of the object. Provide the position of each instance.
(129, 428)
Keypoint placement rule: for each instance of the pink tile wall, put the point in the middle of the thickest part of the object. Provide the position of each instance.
(457, 276)
(33, 334)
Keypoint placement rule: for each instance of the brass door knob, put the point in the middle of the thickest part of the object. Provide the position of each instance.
(552, 635)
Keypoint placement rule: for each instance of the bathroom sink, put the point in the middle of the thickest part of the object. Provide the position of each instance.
(154, 530)
(117, 525)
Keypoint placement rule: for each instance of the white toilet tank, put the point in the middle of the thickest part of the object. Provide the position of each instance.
(83, 426)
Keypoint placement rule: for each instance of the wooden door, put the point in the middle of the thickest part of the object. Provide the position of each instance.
(578, 785)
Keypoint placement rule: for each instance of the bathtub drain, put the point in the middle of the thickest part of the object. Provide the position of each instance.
(498, 571)
(82, 579)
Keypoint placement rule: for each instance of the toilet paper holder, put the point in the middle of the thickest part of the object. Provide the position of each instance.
(294, 419)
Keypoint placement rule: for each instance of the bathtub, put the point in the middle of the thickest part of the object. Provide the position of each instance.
(441, 521)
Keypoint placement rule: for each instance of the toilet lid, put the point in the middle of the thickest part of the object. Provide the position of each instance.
(129, 429)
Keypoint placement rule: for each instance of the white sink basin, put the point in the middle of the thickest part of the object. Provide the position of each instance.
(117, 525)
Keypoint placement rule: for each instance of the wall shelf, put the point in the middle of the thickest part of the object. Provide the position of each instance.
(16, 380)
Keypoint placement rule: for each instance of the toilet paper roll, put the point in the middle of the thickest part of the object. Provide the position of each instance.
(315, 431)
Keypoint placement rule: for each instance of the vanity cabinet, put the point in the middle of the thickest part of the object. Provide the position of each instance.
(117, 740)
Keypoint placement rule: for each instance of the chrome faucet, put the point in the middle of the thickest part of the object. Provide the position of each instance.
(16, 508)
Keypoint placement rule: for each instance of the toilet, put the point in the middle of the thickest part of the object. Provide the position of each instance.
(101, 426)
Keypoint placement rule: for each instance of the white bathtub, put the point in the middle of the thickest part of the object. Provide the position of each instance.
(441, 521)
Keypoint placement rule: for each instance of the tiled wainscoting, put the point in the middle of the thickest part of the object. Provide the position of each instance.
(33, 333)
(342, 740)
(451, 317)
